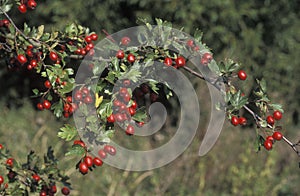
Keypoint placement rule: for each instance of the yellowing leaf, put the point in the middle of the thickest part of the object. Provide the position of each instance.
(98, 100)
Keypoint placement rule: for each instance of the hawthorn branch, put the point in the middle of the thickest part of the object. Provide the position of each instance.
(256, 117)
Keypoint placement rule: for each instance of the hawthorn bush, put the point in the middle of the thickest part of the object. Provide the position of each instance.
(54, 57)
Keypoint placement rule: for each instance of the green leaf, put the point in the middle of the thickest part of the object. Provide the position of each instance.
(40, 31)
(275, 106)
(214, 67)
(67, 132)
(140, 115)
(132, 75)
(76, 150)
(58, 108)
(6, 8)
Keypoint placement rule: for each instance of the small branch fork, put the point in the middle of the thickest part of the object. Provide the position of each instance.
(256, 117)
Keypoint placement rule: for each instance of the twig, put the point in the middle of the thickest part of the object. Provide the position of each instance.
(255, 116)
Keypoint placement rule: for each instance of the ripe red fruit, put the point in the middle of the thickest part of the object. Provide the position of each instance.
(94, 36)
(270, 138)
(111, 118)
(31, 4)
(36, 177)
(88, 39)
(83, 168)
(130, 130)
(1, 147)
(43, 193)
(119, 117)
(102, 154)
(277, 115)
(88, 100)
(40, 106)
(78, 95)
(134, 105)
(53, 189)
(140, 124)
(22, 59)
(46, 104)
(47, 84)
(180, 61)
(120, 54)
(1, 180)
(10, 162)
(65, 191)
(117, 103)
(125, 41)
(22, 8)
(207, 56)
(242, 75)
(97, 161)
(130, 58)
(242, 121)
(53, 56)
(69, 99)
(168, 61)
(123, 91)
(277, 135)
(190, 43)
(33, 63)
(66, 114)
(131, 111)
(270, 120)
(79, 142)
(234, 120)
(88, 160)
(110, 150)
(126, 97)
(268, 144)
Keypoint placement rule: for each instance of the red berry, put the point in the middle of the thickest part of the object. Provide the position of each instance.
(190, 43)
(65, 191)
(10, 162)
(53, 189)
(111, 118)
(53, 56)
(1, 180)
(130, 58)
(88, 39)
(31, 4)
(123, 91)
(94, 36)
(1, 146)
(277, 115)
(120, 54)
(125, 41)
(46, 104)
(22, 8)
(88, 160)
(207, 56)
(119, 117)
(40, 106)
(47, 84)
(131, 111)
(180, 61)
(78, 95)
(117, 103)
(134, 105)
(140, 124)
(79, 142)
(277, 135)
(22, 59)
(270, 138)
(168, 61)
(66, 114)
(33, 63)
(242, 75)
(97, 161)
(242, 121)
(102, 154)
(69, 99)
(110, 150)
(36, 177)
(88, 100)
(268, 144)
(43, 193)
(130, 130)
(83, 168)
(270, 120)
(234, 120)
(126, 97)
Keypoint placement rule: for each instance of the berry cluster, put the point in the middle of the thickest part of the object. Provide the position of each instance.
(88, 47)
(24, 4)
(238, 120)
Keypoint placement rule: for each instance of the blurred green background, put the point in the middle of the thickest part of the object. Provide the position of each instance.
(263, 35)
